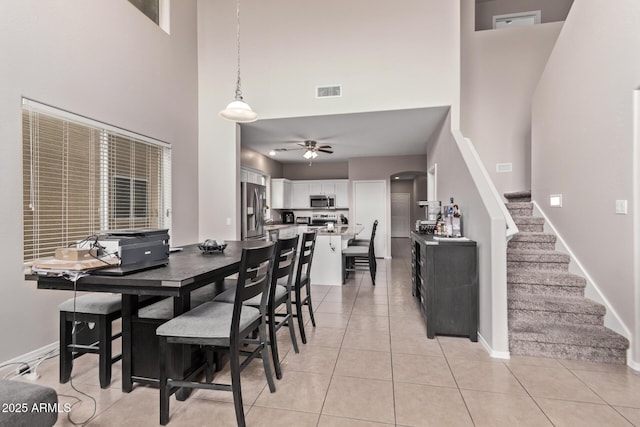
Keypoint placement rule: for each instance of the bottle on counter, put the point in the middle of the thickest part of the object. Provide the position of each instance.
(457, 221)
(448, 221)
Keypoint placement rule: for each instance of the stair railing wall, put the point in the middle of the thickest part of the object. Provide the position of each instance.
(485, 220)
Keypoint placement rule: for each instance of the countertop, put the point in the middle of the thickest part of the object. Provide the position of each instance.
(339, 230)
(280, 226)
(430, 239)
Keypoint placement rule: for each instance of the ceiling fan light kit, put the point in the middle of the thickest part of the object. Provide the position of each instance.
(238, 110)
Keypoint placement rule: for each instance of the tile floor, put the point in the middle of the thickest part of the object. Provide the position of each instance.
(368, 363)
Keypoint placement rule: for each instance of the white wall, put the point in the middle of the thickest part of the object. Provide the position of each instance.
(107, 61)
(395, 55)
(500, 71)
(582, 144)
(483, 222)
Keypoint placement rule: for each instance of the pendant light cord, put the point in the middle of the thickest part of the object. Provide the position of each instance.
(238, 90)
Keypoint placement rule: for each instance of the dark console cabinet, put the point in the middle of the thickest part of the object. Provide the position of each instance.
(445, 282)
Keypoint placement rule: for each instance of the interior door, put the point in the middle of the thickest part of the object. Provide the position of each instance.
(370, 203)
(400, 214)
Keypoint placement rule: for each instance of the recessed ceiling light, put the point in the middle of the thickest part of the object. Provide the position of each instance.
(397, 177)
(272, 153)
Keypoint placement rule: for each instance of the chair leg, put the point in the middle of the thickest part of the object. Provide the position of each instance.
(104, 350)
(344, 269)
(234, 356)
(308, 302)
(274, 345)
(164, 386)
(66, 356)
(210, 364)
(299, 316)
(292, 331)
(372, 270)
(264, 353)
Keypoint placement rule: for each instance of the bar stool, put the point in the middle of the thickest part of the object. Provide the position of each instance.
(219, 326)
(357, 257)
(303, 279)
(100, 309)
(279, 293)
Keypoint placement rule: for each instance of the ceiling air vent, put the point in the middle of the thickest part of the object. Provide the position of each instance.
(329, 91)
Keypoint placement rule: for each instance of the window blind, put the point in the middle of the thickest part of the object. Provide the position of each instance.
(81, 176)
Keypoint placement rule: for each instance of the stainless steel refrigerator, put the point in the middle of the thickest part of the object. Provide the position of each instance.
(254, 201)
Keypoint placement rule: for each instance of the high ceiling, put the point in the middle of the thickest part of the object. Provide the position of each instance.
(379, 133)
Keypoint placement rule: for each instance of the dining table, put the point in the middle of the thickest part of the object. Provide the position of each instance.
(187, 269)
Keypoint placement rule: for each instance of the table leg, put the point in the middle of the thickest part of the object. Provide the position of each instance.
(129, 307)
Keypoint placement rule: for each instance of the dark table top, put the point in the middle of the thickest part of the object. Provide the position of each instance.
(186, 270)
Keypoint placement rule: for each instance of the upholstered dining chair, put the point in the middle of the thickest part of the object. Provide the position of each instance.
(220, 326)
(356, 257)
(279, 294)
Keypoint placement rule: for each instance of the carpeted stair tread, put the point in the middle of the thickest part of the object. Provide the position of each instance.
(545, 278)
(520, 208)
(518, 196)
(556, 304)
(567, 333)
(537, 256)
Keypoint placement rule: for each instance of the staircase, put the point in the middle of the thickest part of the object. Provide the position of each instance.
(548, 313)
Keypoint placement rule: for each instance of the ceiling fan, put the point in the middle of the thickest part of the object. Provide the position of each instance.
(311, 148)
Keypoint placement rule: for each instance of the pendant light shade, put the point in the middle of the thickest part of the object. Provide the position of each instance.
(238, 110)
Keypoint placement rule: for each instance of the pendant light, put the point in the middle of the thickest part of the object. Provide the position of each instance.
(238, 110)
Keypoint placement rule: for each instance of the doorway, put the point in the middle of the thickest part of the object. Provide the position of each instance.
(400, 214)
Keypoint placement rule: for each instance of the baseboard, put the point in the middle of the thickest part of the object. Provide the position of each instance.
(611, 320)
(493, 353)
(33, 355)
(630, 363)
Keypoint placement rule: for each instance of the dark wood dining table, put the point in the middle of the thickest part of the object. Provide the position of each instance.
(186, 271)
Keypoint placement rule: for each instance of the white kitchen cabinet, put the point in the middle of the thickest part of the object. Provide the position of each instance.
(322, 187)
(280, 193)
(342, 193)
(299, 195)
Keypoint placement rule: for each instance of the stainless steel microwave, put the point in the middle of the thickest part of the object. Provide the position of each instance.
(322, 201)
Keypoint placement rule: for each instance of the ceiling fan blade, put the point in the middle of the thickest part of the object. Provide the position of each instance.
(325, 150)
(325, 146)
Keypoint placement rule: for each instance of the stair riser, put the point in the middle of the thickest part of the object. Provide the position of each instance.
(519, 199)
(520, 211)
(553, 266)
(565, 351)
(554, 316)
(531, 227)
(515, 244)
(526, 290)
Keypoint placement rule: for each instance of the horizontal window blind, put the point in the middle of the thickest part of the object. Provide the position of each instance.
(81, 177)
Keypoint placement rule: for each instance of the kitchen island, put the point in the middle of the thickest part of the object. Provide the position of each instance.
(326, 266)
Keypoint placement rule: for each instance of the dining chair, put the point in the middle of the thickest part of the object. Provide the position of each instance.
(279, 294)
(303, 279)
(363, 242)
(358, 257)
(220, 326)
